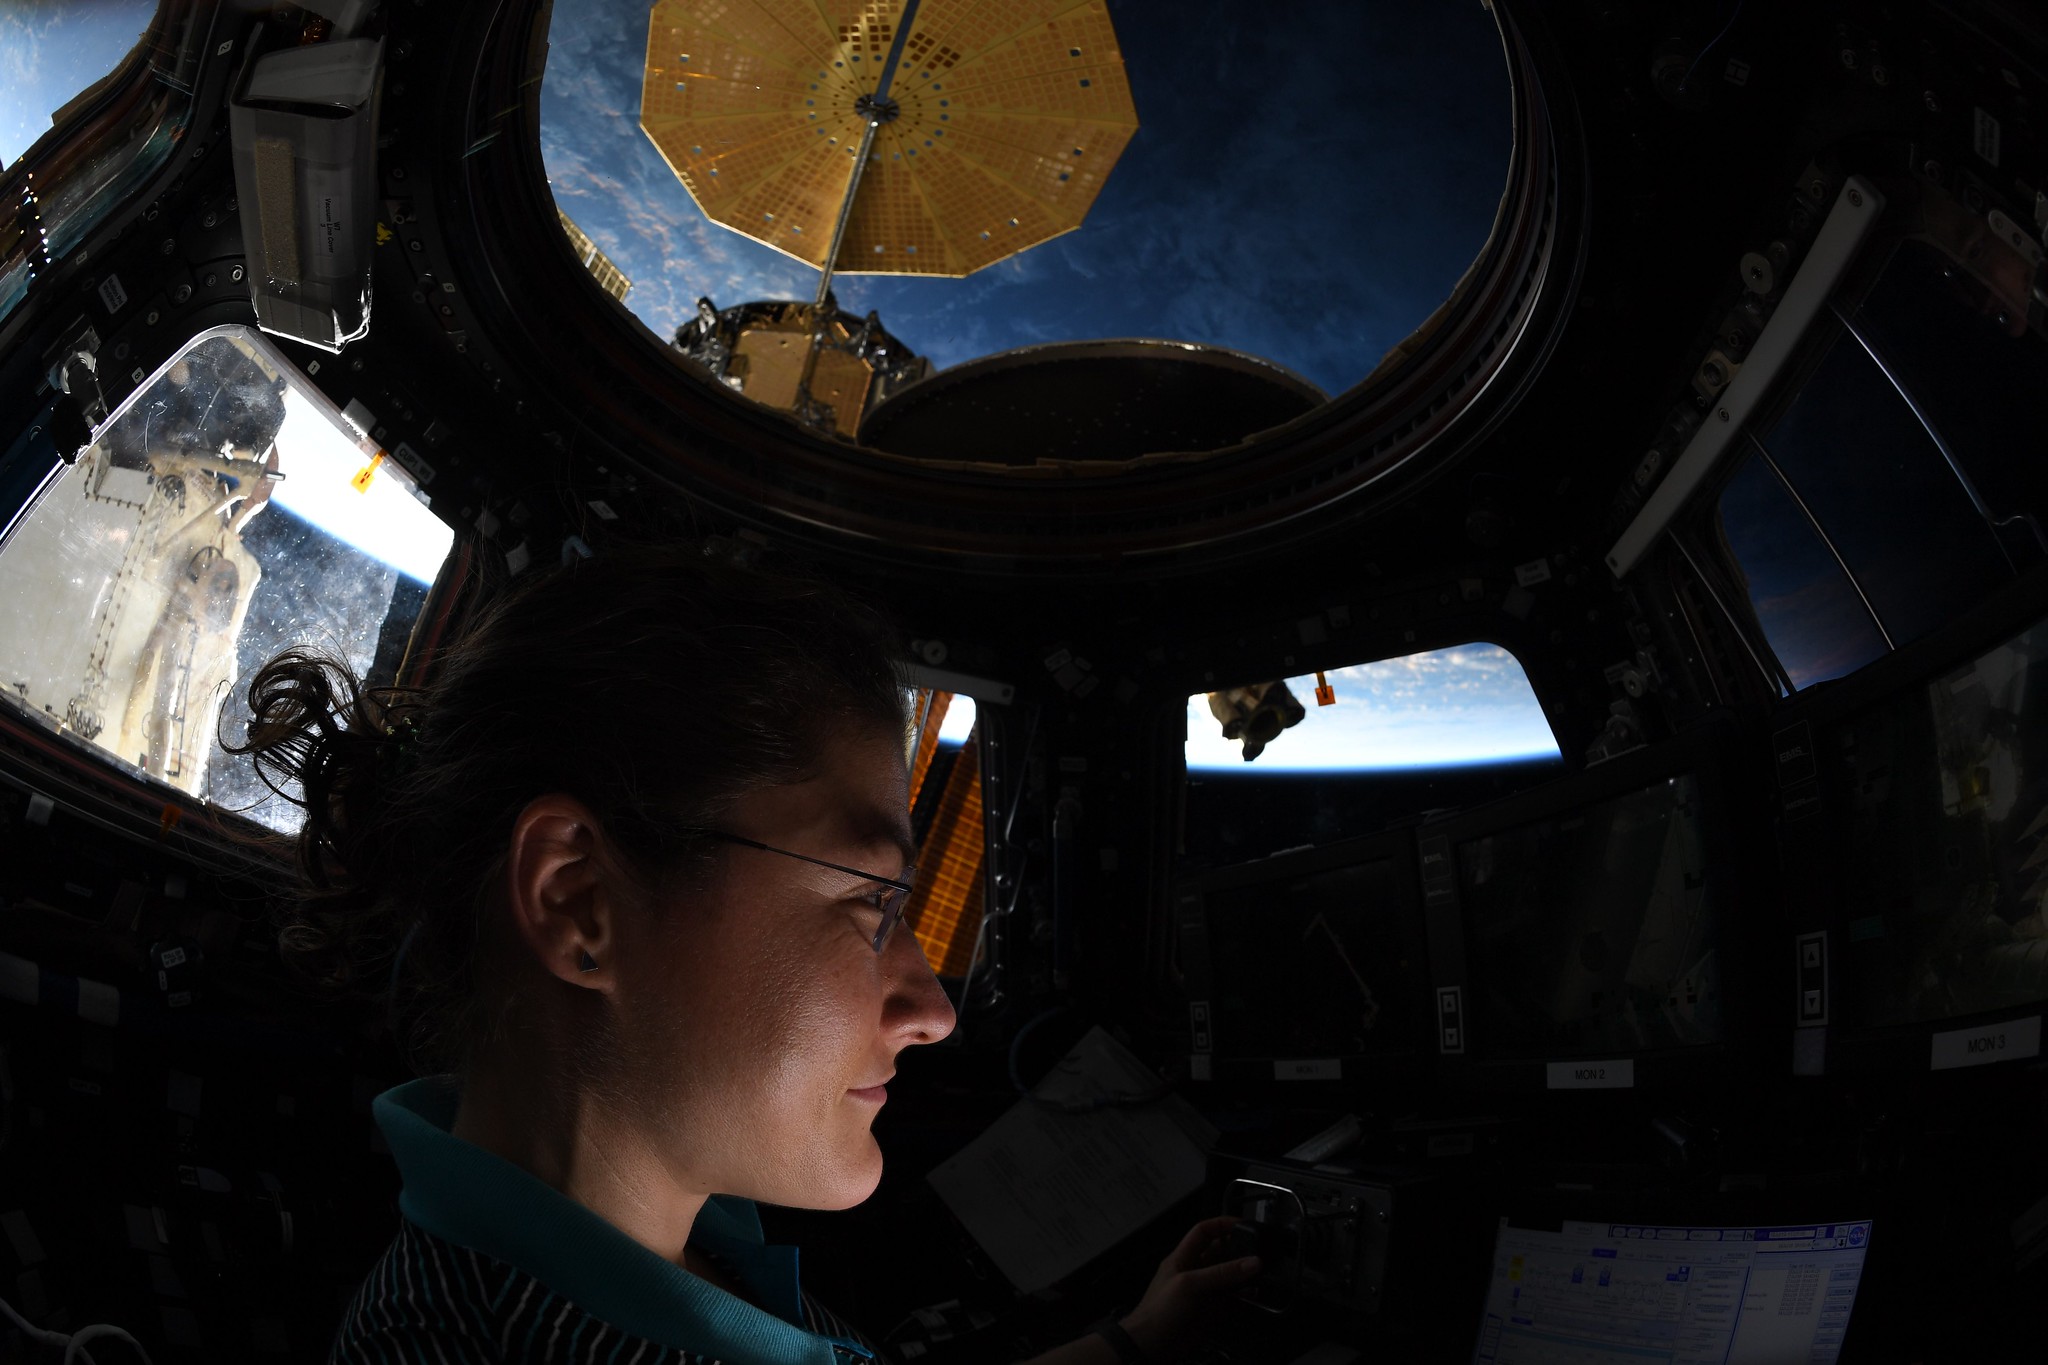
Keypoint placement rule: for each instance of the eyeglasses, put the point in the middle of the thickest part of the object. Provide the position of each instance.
(889, 899)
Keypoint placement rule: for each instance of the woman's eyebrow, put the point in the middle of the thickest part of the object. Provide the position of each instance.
(895, 854)
(881, 844)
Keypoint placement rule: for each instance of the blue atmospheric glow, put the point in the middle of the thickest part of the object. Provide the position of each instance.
(385, 522)
(1446, 708)
(959, 720)
(50, 50)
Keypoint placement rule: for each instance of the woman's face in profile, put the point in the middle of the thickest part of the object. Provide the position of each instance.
(760, 1007)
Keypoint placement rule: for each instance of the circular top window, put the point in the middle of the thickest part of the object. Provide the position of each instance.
(1191, 222)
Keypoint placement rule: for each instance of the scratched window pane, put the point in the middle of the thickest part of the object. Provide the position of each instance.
(1941, 838)
(1593, 932)
(215, 520)
(1883, 493)
(1805, 604)
(1974, 379)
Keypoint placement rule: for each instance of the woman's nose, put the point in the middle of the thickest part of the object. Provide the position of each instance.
(918, 1006)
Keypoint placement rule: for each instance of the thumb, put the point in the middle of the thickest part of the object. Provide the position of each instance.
(1216, 1279)
(1200, 1235)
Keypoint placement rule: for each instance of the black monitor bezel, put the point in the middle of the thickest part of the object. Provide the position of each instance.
(1715, 754)
(1256, 1075)
(1817, 901)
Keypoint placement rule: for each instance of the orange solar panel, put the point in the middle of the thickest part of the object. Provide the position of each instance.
(928, 742)
(945, 909)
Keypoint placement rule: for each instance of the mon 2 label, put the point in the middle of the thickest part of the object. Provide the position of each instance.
(1619, 1074)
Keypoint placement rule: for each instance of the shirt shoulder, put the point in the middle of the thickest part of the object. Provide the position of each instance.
(427, 1300)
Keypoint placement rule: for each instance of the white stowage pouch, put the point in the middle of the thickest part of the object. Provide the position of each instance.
(304, 129)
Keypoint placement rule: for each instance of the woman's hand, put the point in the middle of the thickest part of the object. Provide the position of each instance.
(1187, 1292)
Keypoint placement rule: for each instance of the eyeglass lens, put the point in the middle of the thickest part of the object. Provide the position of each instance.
(893, 901)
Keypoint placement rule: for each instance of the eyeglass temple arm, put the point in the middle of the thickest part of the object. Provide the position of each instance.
(807, 858)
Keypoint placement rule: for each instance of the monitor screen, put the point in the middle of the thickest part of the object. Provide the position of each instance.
(1317, 964)
(1592, 931)
(1626, 1293)
(1943, 865)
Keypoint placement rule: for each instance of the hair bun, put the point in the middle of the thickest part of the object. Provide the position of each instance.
(318, 738)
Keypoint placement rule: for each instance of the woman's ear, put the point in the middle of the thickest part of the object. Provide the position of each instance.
(559, 893)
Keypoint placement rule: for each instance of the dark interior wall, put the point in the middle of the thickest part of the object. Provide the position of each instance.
(153, 1161)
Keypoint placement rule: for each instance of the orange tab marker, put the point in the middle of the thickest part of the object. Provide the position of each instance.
(361, 482)
(1326, 695)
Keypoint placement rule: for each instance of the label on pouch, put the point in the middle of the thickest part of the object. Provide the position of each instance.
(1309, 1069)
(330, 252)
(1614, 1075)
(2011, 1041)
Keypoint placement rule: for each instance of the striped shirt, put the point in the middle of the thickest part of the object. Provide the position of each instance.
(430, 1300)
(493, 1265)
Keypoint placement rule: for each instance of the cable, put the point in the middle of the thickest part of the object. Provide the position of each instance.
(76, 1350)
(1109, 1101)
(74, 1344)
(34, 1333)
(1017, 1044)
(959, 1034)
(1686, 79)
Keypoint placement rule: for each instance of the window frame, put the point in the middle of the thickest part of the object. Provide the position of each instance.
(92, 189)
(44, 757)
(1699, 537)
(1475, 641)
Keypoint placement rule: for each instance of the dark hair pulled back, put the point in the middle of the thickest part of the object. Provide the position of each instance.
(657, 685)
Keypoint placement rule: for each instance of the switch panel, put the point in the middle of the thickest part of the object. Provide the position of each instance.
(1450, 1019)
(1812, 959)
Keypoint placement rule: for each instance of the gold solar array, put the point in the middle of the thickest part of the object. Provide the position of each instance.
(1010, 116)
(934, 705)
(945, 909)
(602, 268)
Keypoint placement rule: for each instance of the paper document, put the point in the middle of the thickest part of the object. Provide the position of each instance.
(1062, 1178)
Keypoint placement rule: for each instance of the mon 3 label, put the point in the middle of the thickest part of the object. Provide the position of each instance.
(2011, 1041)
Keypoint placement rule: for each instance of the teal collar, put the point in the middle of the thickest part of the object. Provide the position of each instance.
(474, 1198)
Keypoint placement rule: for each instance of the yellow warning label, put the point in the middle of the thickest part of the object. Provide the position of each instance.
(361, 482)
